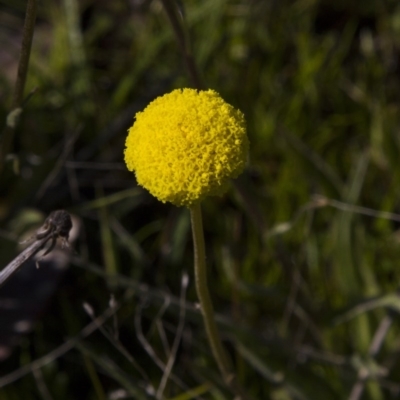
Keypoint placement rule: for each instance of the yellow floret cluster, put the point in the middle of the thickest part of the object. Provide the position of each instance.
(186, 145)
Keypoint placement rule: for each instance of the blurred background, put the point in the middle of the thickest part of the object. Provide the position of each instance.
(303, 251)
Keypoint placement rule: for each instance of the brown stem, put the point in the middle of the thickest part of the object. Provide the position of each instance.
(27, 35)
(170, 9)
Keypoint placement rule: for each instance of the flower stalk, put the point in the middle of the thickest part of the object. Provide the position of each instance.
(206, 307)
(203, 294)
(185, 146)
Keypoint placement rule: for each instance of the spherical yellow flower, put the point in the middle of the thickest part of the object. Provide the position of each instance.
(186, 145)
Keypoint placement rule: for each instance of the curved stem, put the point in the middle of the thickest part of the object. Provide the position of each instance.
(206, 306)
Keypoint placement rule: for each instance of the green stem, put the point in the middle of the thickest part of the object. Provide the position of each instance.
(206, 306)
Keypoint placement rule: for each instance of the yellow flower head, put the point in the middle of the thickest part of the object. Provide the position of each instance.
(186, 145)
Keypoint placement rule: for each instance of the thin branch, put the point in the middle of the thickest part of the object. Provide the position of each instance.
(59, 351)
(374, 348)
(191, 67)
(143, 341)
(322, 201)
(67, 148)
(27, 35)
(149, 349)
(41, 385)
(116, 342)
(177, 340)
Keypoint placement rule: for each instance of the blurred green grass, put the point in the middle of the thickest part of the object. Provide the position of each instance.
(299, 296)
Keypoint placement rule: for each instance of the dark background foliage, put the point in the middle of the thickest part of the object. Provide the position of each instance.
(305, 287)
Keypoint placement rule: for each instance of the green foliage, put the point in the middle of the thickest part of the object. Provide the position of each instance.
(302, 286)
